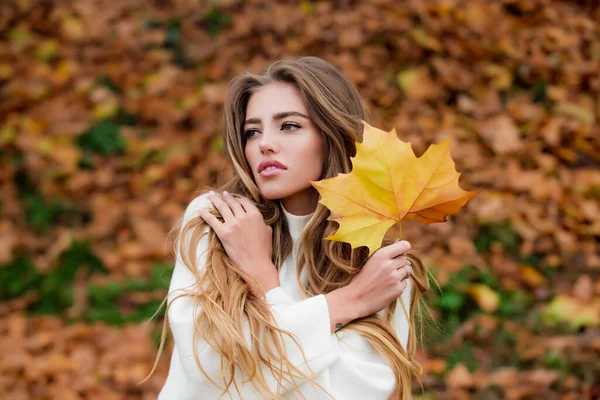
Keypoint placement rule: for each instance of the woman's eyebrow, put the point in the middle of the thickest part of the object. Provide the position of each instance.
(277, 116)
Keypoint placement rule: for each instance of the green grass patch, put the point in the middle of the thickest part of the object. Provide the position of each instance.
(456, 305)
(40, 213)
(514, 304)
(503, 232)
(18, 277)
(102, 138)
(539, 92)
(109, 304)
(54, 287)
(553, 360)
(214, 20)
(108, 83)
(172, 42)
(123, 117)
(426, 396)
(462, 355)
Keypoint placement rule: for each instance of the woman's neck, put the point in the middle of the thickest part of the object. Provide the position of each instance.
(302, 203)
(296, 223)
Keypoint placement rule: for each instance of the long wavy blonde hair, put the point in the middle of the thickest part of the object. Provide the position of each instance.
(221, 294)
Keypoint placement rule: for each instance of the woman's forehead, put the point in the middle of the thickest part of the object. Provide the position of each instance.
(273, 99)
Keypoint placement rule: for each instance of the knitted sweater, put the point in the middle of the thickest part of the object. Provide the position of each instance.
(344, 362)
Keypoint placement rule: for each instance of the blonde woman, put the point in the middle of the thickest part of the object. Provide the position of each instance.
(260, 306)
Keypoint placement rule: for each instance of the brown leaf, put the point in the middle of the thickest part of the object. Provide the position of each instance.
(501, 134)
(8, 241)
(150, 233)
(460, 377)
(584, 288)
(351, 38)
(416, 84)
(532, 277)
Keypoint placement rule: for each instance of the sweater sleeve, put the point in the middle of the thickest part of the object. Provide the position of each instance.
(361, 372)
(308, 320)
(400, 320)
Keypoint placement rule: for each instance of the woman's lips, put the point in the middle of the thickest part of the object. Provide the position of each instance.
(273, 172)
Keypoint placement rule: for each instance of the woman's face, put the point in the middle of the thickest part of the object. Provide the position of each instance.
(278, 128)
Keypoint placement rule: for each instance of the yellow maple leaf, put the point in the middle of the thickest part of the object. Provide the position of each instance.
(484, 296)
(575, 312)
(388, 184)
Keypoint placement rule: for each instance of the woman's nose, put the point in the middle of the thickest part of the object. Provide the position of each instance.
(267, 143)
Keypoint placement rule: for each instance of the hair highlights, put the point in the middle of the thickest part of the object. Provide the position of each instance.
(222, 295)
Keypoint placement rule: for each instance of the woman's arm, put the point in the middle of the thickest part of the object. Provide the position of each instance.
(400, 319)
(361, 372)
(308, 320)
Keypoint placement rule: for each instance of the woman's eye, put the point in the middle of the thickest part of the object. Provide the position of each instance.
(285, 127)
(249, 133)
(292, 125)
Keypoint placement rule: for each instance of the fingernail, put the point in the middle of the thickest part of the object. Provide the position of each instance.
(211, 193)
(225, 193)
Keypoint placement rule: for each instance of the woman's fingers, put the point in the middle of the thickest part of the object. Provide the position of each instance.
(397, 249)
(402, 274)
(400, 261)
(230, 208)
(234, 204)
(222, 207)
(248, 205)
(211, 220)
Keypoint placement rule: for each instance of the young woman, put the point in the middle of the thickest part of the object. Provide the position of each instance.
(259, 305)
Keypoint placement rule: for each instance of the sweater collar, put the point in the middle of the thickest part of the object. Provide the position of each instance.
(296, 222)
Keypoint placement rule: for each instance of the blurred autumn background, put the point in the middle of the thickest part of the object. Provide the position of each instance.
(110, 119)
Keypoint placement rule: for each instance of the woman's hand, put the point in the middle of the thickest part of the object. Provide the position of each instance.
(382, 279)
(246, 238)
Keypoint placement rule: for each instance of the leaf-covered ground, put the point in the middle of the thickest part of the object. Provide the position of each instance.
(110, 120)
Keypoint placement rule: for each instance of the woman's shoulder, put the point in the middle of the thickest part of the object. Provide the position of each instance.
(198, 203)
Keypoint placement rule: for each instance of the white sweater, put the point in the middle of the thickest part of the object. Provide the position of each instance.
(345, 363)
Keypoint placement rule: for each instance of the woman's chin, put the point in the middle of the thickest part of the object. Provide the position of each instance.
(269, 193)
(272, 193)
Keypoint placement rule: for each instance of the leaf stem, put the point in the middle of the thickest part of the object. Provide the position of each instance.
(400, 230)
